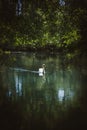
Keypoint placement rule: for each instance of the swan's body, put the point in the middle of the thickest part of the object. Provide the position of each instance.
(41, 70)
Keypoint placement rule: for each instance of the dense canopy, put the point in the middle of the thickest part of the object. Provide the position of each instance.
(34, 24)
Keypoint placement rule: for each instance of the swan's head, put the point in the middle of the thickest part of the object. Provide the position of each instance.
(43, 65)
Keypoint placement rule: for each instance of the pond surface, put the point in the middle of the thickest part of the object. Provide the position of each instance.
(30, 100)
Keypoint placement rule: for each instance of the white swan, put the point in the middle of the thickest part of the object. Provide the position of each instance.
(42, 70)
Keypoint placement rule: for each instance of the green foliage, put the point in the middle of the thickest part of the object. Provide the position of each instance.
(71, 37)
(43, 24)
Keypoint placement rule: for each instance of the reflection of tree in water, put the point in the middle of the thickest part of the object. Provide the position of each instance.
(57, 86)
(18, 84)
(46, 98)
(41, 80)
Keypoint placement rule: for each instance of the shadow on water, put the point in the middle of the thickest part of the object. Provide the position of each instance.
(56, 100)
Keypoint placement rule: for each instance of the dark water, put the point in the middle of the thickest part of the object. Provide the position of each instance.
(55, 100)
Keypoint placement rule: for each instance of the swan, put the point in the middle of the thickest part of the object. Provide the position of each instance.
(42, 70)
